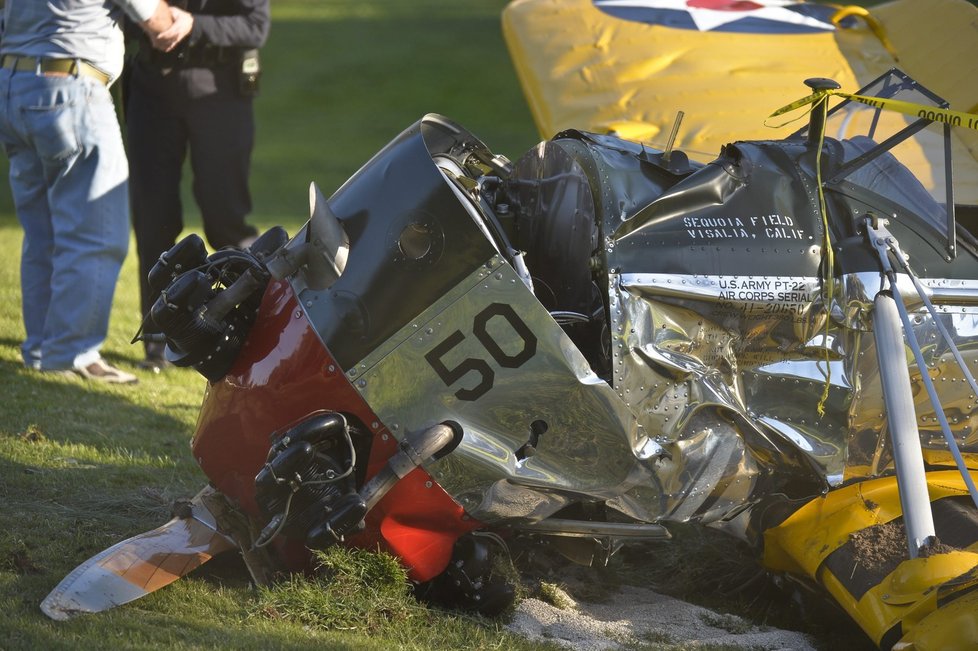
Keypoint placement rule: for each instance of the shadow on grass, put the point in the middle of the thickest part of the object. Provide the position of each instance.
(82, 466)
(70, 410)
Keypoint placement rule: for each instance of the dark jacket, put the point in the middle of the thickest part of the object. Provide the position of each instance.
(229, 23)
(209, 60)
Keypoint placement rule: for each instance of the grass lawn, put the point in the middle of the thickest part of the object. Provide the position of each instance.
(84, 466)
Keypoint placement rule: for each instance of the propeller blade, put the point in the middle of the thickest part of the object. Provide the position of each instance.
(139, 565)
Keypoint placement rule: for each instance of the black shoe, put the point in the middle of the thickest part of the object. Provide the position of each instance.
(155, 360)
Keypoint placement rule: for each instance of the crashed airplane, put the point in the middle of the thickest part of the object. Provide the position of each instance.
(590, 343)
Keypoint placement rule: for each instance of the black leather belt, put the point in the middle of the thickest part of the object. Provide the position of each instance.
(196, 56)
(54, 67)
(211, 55)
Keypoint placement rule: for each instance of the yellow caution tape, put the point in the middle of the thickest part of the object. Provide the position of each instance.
(943, 115)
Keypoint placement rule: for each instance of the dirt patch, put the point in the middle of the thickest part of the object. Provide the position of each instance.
(635, 617)
(702, 589)
(936, 547)
(21, 563)
(32, 434)
(880, 548)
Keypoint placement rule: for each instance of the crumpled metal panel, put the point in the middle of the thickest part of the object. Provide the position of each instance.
(676, 352)
(587, 443)
(593, 446)
(674, 364)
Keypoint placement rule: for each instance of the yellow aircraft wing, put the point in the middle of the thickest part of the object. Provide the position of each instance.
(629, 66)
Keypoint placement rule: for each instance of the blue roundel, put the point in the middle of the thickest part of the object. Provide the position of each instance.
(743, 16)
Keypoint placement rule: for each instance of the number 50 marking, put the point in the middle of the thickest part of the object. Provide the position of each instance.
(480, 366)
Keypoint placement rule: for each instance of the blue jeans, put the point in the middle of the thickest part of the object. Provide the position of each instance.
(69, 178)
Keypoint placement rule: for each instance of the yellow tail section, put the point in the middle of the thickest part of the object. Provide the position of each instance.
(852, 542)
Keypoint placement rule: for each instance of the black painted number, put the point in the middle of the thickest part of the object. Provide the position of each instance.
(480, 366)
(451, 375)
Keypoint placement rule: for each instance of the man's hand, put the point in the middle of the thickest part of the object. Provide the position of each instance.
(169, 38)
(160, 21)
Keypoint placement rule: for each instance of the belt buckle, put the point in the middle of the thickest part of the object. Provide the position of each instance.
(54, 67)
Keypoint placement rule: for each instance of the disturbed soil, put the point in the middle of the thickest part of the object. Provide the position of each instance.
(698, 591)
(880, 548)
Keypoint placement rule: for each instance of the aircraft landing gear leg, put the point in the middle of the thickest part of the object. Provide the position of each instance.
(902, 420)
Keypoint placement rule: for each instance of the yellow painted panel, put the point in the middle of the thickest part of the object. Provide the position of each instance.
(583, 68)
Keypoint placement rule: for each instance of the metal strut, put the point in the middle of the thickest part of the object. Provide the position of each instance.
(907, 454)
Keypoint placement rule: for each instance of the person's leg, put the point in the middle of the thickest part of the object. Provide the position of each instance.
(157, 148)
(77, 135)
(72, 126)
(68, 177)
(222, 133)
(30, 202)
(29, 192)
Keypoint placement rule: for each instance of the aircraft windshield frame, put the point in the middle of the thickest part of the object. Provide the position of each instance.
(895, 84)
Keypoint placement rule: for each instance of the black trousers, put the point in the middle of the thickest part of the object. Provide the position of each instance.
(167, 115)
